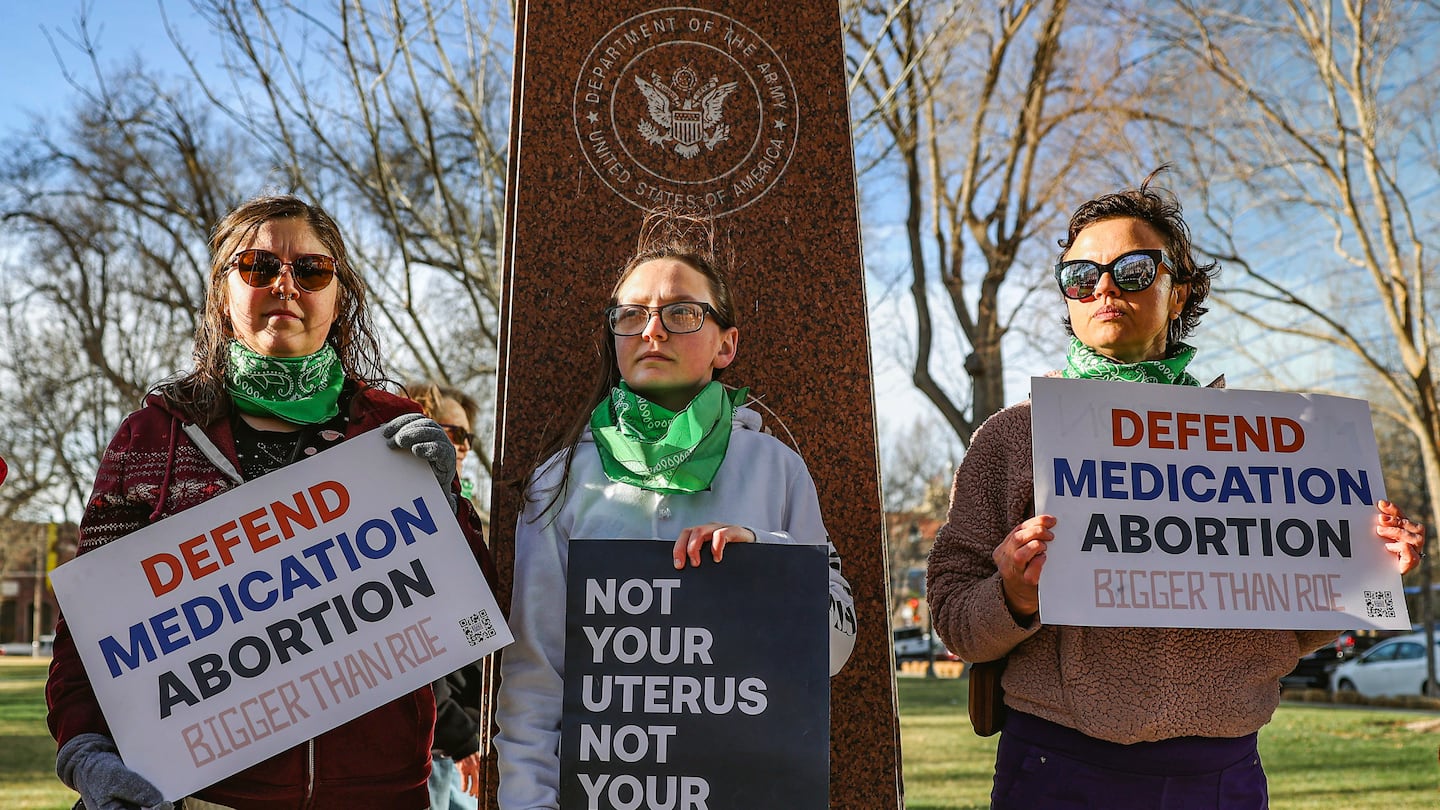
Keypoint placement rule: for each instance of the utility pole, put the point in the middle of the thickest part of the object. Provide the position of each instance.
(1432, 688)
(915, 538)
(39, 600)
(929, 641)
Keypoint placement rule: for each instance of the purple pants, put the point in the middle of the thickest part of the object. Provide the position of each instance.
(1042, 765)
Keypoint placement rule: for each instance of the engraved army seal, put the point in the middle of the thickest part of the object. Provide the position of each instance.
(685, 106)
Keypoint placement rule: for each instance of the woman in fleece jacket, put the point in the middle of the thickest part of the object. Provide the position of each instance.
(1110, 717)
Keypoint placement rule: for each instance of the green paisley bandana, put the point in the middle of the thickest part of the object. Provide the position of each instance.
(647, 446)
(1083, 362)
(303, 390)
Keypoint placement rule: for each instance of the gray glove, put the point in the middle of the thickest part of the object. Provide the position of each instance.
(426, 439)
(90, 764)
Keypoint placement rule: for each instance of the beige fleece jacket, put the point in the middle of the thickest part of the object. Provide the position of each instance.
(1125, 685)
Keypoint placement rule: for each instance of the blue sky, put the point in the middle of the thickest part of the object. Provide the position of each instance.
(33, 79)
(34, 83)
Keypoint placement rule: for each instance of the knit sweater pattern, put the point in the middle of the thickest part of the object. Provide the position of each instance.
(152, 470)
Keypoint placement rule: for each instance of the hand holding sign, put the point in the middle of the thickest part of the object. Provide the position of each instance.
(90, 764)
(1019, 558)
(427, 440)
(693, 539)
(1403, 538)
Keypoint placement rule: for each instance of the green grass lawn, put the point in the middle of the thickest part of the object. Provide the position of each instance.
(1316, 756)
(1335, 758)
(27, 754)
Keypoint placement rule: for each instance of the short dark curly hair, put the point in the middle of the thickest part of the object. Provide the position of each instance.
(1158, 208)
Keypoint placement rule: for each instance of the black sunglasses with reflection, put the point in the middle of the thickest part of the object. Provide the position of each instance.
(1132, 272)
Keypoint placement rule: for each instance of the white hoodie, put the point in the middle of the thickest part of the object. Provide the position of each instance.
(762, 485)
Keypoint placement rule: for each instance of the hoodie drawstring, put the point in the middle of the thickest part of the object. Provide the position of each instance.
(169, 470)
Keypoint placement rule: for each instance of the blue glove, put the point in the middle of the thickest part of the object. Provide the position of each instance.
(426, 439)
(90, 764)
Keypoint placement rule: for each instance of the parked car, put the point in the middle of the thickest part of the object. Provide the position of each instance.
(47, 644)
(910, 643)
(1395, 666)
(1313, 670)
(913, 643)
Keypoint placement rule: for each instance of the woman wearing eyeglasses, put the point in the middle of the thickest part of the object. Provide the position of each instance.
(1102, 716)
(286, 366)
(662, 451)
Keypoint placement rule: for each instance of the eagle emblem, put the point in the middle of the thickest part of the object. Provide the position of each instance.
(685, 111)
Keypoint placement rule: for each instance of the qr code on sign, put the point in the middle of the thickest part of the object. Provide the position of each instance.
(477, 627)
(1380, 604)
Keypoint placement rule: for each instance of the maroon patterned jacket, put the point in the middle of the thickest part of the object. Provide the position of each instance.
(152, 470)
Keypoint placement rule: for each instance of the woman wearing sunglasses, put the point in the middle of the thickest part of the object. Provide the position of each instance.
(456, 756)
(286, 366)
(662, 451)
(1099, 716)
(456, 412)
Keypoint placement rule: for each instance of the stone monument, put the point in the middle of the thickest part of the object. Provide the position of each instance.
(739, 108)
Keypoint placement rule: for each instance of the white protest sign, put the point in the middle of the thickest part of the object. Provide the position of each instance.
(277, 611)
(1193, 507)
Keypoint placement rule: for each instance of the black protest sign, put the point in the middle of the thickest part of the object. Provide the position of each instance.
(700, 689)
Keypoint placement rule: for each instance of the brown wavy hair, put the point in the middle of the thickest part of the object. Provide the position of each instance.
(201, 392)
(429, 394)
(665, 233)
(1160, 209)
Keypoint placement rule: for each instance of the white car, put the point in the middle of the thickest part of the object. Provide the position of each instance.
(910, 643)
(47, 645)
(1395, 666)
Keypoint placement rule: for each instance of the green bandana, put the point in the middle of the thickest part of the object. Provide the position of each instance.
(652, 448)
(1083, 362)
(303, 390)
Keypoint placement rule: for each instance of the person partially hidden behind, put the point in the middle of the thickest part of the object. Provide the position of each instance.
(456, 754)
(1119, 718)
(286, 366)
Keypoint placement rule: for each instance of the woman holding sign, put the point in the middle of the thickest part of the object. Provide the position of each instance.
(662, 451)
(286, 366)
(1109, 716)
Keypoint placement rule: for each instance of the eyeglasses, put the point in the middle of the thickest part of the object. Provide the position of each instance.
(458, 435)
(681, 317)
(1132, 272)
(259, 268)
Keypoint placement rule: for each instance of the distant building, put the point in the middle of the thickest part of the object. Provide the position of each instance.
(28, 551)
(910, 536)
